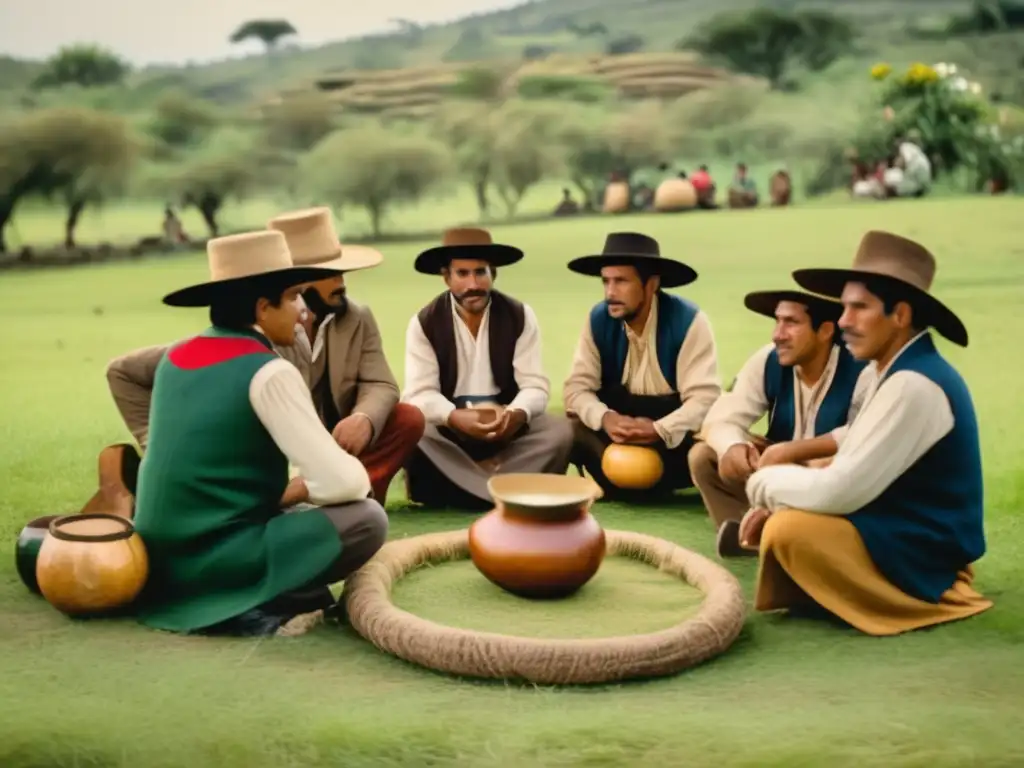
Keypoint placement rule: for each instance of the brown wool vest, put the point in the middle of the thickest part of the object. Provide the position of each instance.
(504, 327)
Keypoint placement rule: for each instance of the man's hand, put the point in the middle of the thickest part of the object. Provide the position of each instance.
(295, 493)
(642, 432)
(739, 463)
(618, 427)
(353, 433)
(773, 455)
(751, 527)
(505, 426)
(466, 421)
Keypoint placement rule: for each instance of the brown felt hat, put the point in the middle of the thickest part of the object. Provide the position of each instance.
(766, 302)
(632, 249)
(313, 241)
(899, 261)
(466, 243)
(250, 258)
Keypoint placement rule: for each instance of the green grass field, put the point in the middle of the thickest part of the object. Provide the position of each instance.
(788, 693)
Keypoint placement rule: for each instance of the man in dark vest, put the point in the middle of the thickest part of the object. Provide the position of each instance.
(645, 370)
(885, 536)
(807, 384)
(473, 366)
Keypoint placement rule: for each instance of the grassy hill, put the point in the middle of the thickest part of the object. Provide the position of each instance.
(527, 32)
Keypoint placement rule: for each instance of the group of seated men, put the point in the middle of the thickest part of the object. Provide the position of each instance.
(269, 440)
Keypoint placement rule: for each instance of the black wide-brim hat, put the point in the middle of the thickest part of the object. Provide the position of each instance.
(633, 249)
(821, 308)
(466, 243)
(902, 263)
(257, 259)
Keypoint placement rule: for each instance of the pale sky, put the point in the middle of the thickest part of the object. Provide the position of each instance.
(176, 31)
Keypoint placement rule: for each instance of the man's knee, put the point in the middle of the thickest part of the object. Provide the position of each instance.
(408, 421)
(561, 431)
(703, 462)
(362, 526)
(785, 529)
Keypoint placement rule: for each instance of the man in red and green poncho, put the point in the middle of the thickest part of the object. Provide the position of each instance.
(228, 415)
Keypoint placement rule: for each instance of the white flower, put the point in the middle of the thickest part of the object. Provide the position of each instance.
(975, 88)
(952, 68)
(942, 69)
(960, 84)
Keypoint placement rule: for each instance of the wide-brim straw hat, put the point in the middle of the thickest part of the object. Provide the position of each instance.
(899, 261)
(466, 243)
(313, 241)
(632, 249)
(251, 258)
(767, 302)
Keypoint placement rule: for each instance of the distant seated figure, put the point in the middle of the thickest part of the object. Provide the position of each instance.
(568, 206)
(780, 188)
(174, 232)
(911, 175)
(743, 190)
(704, 186)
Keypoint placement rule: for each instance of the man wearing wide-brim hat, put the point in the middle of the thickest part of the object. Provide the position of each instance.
(885, 537)
(807, 384)
(338, 349)
(645, 369)
(473, 366)
(354, 389)
(228, 416)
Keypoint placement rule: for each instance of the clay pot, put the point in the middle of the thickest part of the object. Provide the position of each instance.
(91, 564)
(616, 197)
(634, 467)
(675, 195)
(540, 540)
(26, 551)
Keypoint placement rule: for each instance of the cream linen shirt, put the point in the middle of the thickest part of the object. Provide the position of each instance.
(898, 423)
(475, 378)
(730, 419)
(697, 377)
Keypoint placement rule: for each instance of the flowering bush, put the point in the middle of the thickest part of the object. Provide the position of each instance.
(951, 119)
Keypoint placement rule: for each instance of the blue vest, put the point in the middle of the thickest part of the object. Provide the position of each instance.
(835, 407)
(675, 315)
(928, 524)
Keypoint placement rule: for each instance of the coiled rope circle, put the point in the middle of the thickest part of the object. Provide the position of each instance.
(371, 612)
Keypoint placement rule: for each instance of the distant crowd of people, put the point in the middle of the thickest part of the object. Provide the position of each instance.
(905, 172)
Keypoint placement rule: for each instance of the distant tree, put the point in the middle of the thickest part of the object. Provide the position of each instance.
(84, 65)
(299, 122)
(622, 44)
(375, 169)
(411, 32)
(180, 120)
(77, 156)
(471, 44)
(765, 42)
(267, 31)
(526, 149)
(479, 83)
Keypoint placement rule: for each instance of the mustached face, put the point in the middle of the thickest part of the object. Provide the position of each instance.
(470, 282)
(624, 291)
(326, 297)
(796, 341)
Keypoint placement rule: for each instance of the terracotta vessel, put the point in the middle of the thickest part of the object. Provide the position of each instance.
(91, 564)
(540, 540)
(675, 195)
(633, 467)
(26, 551)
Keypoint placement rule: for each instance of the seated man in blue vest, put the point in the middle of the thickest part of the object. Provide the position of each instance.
(806, 382)
(473, 367)
(884, 538)
(645, 370)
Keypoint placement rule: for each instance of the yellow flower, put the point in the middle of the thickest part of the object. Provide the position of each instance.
(919, 74)
(880, 71)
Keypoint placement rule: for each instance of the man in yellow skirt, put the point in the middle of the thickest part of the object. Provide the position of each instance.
(885, 536)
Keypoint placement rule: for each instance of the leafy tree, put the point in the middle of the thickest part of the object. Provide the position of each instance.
(299, 122)
(765, 42)
(375, 169)
(78, 156)
(526, 149)
(85, 65)
(267, 31)
(182, 121)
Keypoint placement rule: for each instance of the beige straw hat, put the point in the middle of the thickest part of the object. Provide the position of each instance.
(313, 241)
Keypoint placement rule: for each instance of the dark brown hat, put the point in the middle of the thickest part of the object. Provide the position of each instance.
(821, 307)
(466, 243)
(633, 249)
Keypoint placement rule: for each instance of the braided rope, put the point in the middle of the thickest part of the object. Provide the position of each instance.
(469, 653)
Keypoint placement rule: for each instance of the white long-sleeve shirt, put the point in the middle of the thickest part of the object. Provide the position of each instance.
(473, 363)
(734, 413)
(899, 422)
(283, 403)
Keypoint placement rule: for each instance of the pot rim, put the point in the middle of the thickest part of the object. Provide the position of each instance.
(127, 532)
